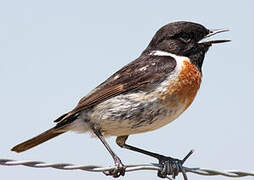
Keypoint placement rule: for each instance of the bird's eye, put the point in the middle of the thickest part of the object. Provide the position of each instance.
(185, 37)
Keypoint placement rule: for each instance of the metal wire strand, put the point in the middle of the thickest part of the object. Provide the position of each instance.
(129, 168)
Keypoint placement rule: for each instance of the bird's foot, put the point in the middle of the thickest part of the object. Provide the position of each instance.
(118, 171)
(172, 166)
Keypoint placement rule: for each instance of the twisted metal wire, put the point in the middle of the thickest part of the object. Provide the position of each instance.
(129, 168)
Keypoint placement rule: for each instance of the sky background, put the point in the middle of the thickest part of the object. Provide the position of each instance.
(54, 52)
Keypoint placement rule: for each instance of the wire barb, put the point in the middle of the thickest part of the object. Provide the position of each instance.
(129, 168)
(172, 167)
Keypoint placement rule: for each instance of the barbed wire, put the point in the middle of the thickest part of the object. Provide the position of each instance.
(129, 168)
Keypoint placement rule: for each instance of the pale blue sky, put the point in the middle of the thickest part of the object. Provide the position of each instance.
(54, 52)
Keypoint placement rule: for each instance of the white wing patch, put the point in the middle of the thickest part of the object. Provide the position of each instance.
(144, 68)
(116, 77)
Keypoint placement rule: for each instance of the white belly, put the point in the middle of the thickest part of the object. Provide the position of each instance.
(133, 113)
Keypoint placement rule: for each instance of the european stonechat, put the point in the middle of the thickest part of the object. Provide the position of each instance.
(146, 94)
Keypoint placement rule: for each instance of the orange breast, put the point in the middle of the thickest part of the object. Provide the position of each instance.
(183, 89)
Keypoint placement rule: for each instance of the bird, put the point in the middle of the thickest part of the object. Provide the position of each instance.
(146, 94)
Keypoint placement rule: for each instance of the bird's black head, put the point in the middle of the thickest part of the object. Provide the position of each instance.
(183, 38)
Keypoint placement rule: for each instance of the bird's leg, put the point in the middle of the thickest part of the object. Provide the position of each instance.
(166, 161)
(119, 167)
(120, 140)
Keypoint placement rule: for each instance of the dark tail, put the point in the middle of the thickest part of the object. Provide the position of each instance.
(45, 136)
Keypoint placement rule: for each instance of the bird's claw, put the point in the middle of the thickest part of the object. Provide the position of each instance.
(172, 166)
(118, 171)
(169, 166)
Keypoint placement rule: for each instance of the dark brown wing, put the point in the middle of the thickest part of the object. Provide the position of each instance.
(138, 74)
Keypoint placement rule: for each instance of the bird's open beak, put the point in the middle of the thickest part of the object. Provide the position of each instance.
(213, 32)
